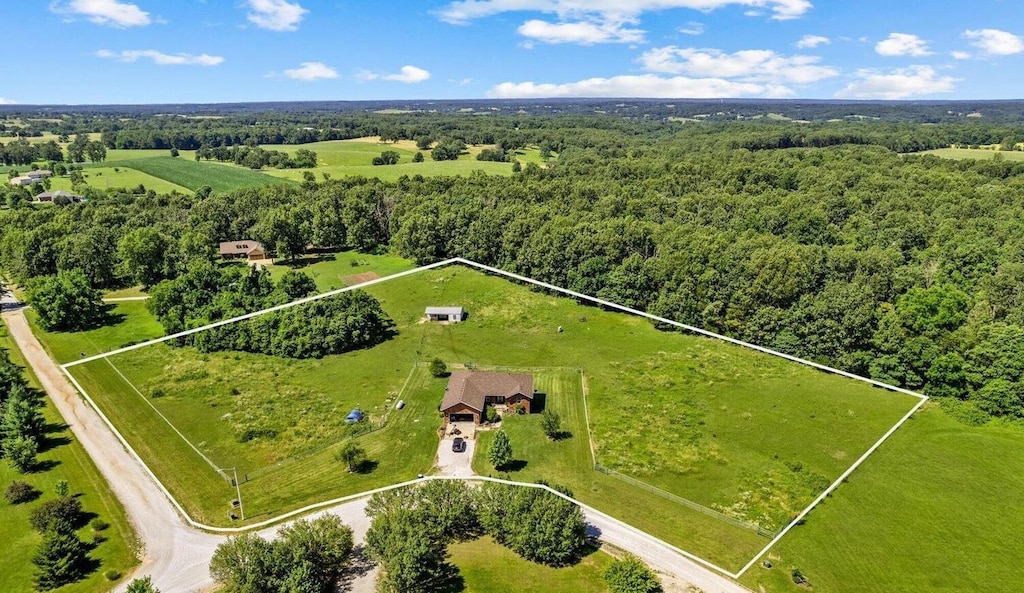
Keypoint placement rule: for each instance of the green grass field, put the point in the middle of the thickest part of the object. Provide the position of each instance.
(936, 509)
(337, 270)
(114, 176)
(487, 567)
(214, 399)
(131, 323)
(976, 154)
(192, 175)
(70, 463)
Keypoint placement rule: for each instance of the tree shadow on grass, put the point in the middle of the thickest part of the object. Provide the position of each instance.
(105, 317)
(365, 467)
(307, 260)
(562, 435)
(516, 465)
(448, 581)
(48, 442)
(43, 465)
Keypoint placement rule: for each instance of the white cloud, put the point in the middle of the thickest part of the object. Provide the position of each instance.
(902, 44)
(583, 32)
(105, 12)
(161, 59)
(899, 83)
(692, 28)
(464, 11)
(310, 71)
(6, 101)
(407, 74)
(756, 65)
(996, 42)
(811, 41)
(960, 55)
(646, 85)
(276, 15)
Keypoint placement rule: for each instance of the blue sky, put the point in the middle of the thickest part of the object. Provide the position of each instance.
(174, 51)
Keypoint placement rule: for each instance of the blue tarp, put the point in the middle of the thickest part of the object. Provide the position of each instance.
(354, 416)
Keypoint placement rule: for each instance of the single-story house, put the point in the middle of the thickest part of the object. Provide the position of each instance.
(25, 180)
(468, 392)
(39, 174)
(49, 196)
(251, 250)
(450, 314)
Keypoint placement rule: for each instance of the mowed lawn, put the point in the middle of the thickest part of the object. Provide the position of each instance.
(487, 567)
(567, 462)
(215, 399)
(331, 271)
(69, 462)
(935, 509)
(130, 323)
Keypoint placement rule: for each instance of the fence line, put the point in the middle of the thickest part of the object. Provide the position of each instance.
(686, 502)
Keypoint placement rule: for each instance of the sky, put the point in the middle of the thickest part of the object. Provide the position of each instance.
(211, 51)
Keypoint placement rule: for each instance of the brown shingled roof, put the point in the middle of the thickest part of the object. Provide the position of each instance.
(472, 387)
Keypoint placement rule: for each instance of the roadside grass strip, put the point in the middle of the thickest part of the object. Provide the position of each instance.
(587, 452)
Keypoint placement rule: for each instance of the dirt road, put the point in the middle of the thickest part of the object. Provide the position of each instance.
(177, 556)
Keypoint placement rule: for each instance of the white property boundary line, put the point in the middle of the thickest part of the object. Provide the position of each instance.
(547, 286)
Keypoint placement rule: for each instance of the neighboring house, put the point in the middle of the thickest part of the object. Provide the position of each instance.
(468, 392)
(25, 180)
(451, 314)
(251, 250)
(39, 174)
(49, 196)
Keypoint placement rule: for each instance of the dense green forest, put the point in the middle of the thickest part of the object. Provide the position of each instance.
(821, 240)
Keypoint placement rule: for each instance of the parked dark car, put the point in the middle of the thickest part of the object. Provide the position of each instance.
(459, 445)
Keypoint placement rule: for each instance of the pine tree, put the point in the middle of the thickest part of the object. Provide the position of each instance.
(60, 558)
(500, 452)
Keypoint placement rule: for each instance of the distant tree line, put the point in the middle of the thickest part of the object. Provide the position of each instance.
(255, 157)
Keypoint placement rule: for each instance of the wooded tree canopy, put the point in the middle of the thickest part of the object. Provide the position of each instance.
(819, 240)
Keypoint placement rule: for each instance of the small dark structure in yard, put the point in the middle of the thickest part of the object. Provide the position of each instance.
(251, 250)
(449, 314)
(468, 393)
(355, 415)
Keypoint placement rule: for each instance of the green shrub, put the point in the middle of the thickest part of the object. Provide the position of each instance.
(112, 575)
(438, 368)
(18, 492)
(630, 575)
(65, 511)
(98, 524)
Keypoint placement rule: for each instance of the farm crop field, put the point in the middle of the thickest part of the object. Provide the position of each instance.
(986, 154)
(157, 170)
(192, 175)
(727, 427)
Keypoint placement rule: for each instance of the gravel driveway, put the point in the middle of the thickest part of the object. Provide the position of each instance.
(450, 463)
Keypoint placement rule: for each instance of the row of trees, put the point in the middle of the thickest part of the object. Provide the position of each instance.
(22, 426)
(255, 157)
(412, 528)
(308, 556)
(206, 294)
